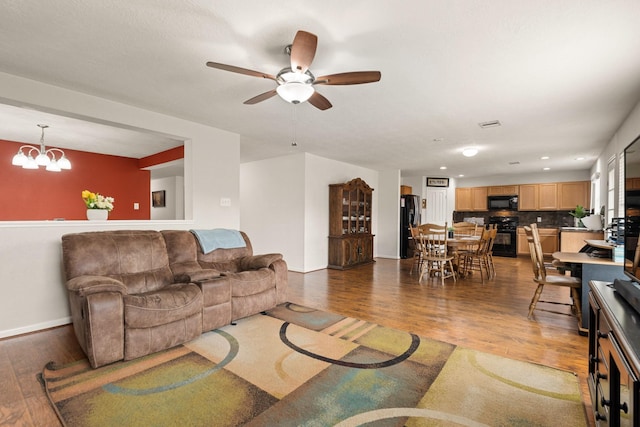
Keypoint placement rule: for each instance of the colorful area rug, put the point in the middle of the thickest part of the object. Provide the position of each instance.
(297, 366)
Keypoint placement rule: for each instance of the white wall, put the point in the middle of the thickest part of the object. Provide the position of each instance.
(272, 210)
(285, 206)
(32, 292)
(534, 178)
(173, 187)
(626, 133)
(388, 235)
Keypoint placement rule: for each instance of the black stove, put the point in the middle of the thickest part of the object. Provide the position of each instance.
(505, 242)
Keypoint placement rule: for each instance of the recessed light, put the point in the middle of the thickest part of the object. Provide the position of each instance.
(546, 169)
(579, 158)
(460, 176)
(470, 152)
(443, 167)
(544, 158)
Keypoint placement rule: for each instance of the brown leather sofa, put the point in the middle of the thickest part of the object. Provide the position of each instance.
(135, 292)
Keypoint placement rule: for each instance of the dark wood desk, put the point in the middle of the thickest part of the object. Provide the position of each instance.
(593, 268)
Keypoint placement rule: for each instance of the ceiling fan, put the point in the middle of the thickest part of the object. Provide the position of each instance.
(296, 83)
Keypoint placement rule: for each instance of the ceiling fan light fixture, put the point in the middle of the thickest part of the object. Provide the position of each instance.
(470, 152)
(295, 92)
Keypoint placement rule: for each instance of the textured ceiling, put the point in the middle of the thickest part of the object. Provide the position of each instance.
(560, 76)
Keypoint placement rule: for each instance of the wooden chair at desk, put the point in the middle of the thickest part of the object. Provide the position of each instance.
(541, 278)
(435, 259)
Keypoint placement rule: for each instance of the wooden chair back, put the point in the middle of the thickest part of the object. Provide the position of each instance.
(464, 228)
(535, 248)
(434, 241)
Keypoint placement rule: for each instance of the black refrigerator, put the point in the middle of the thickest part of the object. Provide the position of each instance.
(409, 215)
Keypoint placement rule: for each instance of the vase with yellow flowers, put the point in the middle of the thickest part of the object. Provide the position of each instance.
(98, 206)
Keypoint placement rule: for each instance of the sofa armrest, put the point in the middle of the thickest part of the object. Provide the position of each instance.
(87, 285)
(255, 262)
(197, 276)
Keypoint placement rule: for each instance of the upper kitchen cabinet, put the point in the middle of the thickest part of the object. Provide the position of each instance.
(548, 197)
(471, 199)
(633, 184)
(538, 197)
(502, 190)
(528, 197)
(572, 194)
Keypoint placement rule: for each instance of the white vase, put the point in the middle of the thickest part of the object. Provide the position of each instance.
(97, 214)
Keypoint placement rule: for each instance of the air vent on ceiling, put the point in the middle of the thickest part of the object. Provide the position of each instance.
(490, 124)
(514, 163)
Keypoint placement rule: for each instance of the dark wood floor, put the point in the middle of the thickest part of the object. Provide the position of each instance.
(491, 317)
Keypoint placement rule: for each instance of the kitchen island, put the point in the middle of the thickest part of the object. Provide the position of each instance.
(572, 239)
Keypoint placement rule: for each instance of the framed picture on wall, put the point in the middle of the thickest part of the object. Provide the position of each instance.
(437, 182)
(157, 199)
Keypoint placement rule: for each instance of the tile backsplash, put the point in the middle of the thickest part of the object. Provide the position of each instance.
(548, 218)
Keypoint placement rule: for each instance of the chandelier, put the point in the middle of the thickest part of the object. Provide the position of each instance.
(43, 156)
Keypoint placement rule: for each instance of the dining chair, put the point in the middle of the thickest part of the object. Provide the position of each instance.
(541, 277)
(464, 228)
(417, 249)
(476, 259)
(435, 259)
(493, 232)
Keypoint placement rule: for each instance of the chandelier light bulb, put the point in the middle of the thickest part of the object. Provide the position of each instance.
(46, 156)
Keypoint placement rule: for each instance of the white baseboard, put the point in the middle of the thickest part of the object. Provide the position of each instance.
(36, 327)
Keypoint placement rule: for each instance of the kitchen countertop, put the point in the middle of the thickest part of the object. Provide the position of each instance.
(578, 229)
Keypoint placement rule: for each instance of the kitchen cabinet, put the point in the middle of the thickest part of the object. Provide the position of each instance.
(548, 197)
(571, 194)
(633, 184)
(548, 240)
(573, 241)
(502, 190)
(538, 197)
(350, 219)
(471, 199)
(528, 197)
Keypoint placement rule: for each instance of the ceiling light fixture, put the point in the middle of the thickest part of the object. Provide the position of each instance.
(544, 158)
(470, 152)
(42, 158)
(443, 167)
(295, 87)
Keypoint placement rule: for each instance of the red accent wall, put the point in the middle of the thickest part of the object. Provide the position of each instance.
(41, 195)
(162, 157)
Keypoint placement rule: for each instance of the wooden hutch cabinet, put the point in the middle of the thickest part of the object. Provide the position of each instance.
(350, 238)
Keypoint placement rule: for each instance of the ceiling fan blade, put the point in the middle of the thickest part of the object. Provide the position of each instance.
(239, 70)
(352, 78)
(260, 98)
(319, 101)
(303, 50)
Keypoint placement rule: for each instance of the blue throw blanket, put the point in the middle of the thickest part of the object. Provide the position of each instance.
(218, 238)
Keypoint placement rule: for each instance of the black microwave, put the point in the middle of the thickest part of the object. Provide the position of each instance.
(503, 203)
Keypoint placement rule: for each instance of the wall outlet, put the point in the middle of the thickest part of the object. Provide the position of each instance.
(225, 201)
(136, 206)
(539, 219)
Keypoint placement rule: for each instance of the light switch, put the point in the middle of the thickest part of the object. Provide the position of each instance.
(225, 201)
(136, 206)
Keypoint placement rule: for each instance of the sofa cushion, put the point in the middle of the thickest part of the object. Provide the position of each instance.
(162, 306)
(251, 282)
(137, 258)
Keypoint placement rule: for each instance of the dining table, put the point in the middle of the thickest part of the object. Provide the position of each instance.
(461, 242)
